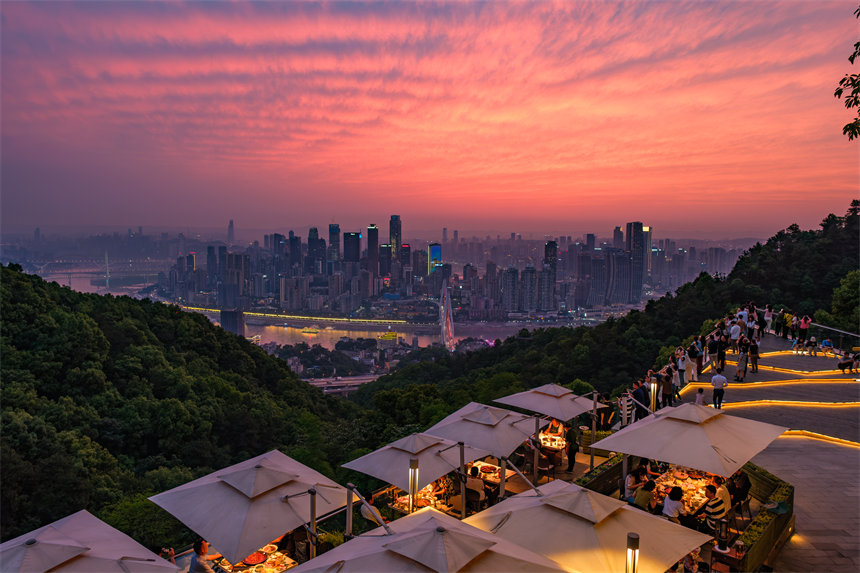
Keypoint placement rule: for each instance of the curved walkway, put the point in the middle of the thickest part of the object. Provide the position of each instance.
(807, 394)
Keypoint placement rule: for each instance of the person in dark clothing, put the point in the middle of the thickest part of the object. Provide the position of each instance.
(640, 395)
(572, 437)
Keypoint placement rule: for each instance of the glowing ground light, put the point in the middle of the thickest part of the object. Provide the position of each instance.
(771, 383)
(817, 436)
(792, 403)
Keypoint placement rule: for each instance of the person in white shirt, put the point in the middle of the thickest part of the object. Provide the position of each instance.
(734, 335)
(719, 382)
(473, 482)
(700, 397)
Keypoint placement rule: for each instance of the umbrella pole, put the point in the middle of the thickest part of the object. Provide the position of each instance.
(312, 549)
(623, 475)
(349, 488)
(537, 453)
(593, 429)
(462, 480)
(504, 463)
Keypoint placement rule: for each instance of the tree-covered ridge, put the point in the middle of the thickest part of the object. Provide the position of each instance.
(105, 397)
(795, 269)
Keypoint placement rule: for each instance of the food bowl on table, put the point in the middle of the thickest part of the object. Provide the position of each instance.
(487, 469)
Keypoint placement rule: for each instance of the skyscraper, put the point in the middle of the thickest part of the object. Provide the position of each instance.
(618, 238)
(395, 236)
(636, 250)
(590, 241)
(333, 242)
(434, 256)
(373, 250)
(385, 254)
(351, 247)
(230, 233)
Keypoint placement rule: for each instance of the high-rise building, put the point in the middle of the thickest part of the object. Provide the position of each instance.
(597, 292)
(351, 247)
(419, 262)
(528, 289)
(395, 236)
(373, 250)
(333, 242)
(385, 252)
(618, 238)
(434, 256)
(636, 250)
(295, 254)
(590, 241)
(647, 234)
(230, 233)
(315, 261)
(510, 289)
(618, 279)
(406, 255)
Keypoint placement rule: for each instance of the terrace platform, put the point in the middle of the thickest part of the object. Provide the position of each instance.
(826, 475)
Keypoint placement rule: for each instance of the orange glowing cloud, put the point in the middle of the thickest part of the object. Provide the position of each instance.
(711, 118)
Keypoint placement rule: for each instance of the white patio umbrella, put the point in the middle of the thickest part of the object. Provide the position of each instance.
(699, 437)
(245, 506)
(428, 539)
(496, 430)
(79, 542)
(583, 530)
(551, 400)
(429, 457)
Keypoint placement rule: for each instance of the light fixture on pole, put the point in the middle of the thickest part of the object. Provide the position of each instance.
(632, 553)
(652, 385)
(413, 483)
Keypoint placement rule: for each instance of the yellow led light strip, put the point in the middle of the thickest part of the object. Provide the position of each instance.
(769, 383)
(791, 371)
(311, 318)
(792, 403)
(817, 436)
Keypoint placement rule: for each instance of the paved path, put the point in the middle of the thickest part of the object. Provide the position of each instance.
(826, 475)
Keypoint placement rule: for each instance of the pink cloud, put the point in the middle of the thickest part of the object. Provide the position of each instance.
(506, 110)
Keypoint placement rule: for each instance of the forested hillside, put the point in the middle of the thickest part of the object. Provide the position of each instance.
(794, 269)
(107, 399)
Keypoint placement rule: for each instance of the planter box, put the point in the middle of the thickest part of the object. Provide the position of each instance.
(585, 441)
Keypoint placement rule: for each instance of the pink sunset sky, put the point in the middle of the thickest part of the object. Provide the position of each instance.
(711, 119)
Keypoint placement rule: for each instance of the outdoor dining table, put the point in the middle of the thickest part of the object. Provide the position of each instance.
(267, 560)
(492, 475)
(692, 482)
(554, 443)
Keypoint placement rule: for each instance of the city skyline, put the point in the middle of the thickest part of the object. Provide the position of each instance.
(711, 120)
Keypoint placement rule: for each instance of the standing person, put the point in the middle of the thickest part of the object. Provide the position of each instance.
(778, 323)
(572, 437)
(692, 356)
(753, 353)
(667, 390)
(200, 560)
(625, 409)
(792, 326)
(640, 397)
(682, 367)
(721, 353)
(734, 335)
(713, 349)
(768, 318)
(743, 359)
(752, 326)
(701, 346)
(719, 382)
(803, 327)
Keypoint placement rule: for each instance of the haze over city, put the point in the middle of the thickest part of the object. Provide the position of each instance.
(703, 119)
